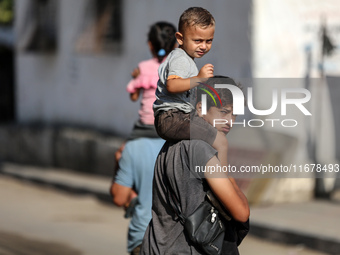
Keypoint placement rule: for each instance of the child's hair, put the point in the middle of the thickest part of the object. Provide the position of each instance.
(195, 16)
(224, 94)
(162, 38)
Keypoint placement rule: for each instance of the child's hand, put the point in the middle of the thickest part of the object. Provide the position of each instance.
(206, 71)
(135, 73)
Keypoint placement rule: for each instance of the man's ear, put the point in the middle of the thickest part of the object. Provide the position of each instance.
(179, 38)
(199, 109)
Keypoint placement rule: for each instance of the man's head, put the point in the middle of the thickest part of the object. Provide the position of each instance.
(196, 30)
(219, 116)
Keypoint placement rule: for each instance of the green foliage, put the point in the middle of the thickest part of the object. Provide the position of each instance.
(6, 12)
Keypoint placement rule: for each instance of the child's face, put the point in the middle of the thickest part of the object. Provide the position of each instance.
(196, 41)
(220, 118)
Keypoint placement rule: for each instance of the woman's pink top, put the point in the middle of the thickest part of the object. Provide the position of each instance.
(147, 81)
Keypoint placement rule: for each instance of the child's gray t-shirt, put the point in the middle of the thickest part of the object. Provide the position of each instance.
(177, 63)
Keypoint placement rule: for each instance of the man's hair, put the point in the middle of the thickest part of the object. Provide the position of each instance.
(195, 16)
(224, 94)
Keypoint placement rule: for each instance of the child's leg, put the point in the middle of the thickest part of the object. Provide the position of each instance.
(143, 130)
(173, 125)
(118, 155)
(202, 130)
(221, 145)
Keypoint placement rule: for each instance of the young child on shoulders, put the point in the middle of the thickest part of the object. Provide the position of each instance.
(175, 115)
(161, 41)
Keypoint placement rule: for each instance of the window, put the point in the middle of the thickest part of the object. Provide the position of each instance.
(102, 27)
(38, 28)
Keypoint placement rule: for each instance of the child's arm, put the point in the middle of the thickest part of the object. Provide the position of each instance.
(134, 96)
(179, 85)
(135, 73)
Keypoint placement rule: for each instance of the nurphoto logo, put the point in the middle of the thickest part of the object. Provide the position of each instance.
(238, 104)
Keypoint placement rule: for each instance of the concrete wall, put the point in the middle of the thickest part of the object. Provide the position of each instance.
(81, 150)
(287, 47)
(74, 88)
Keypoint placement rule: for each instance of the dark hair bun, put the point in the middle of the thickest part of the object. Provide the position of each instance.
(162, 38)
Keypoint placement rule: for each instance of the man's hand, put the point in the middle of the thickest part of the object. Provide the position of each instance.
(206, 71)
(133, 194)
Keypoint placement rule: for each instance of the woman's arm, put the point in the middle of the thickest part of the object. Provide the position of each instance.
(228, 192)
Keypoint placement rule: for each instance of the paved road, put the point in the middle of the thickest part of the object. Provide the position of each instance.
(46, 215)
(42, 220)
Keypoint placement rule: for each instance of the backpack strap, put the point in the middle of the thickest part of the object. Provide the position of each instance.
(173, 199)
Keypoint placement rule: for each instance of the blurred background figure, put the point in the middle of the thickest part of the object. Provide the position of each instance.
(135, 176)
(161, 40)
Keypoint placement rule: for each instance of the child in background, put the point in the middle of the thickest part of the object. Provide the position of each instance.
(161, 41)
(175, 116)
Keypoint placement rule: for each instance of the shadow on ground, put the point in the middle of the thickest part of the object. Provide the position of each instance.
(12, 244)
